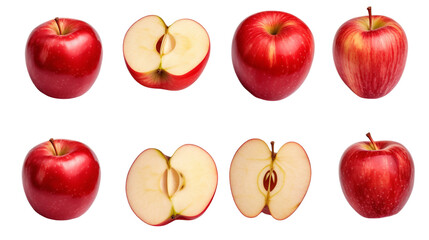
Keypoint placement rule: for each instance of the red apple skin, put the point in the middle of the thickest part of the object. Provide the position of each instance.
(377, 183)
(272, 66)
(167, 81)
(370, 62)
(163, 80)
(180, 217)
(61, 187)
(63, 65)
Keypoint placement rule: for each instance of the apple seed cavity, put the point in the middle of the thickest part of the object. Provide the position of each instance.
(270, 180)
(165, 44)
(171, 182)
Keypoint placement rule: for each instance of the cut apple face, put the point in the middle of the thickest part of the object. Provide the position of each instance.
(165, 57)
(264, 181)
(161, 189)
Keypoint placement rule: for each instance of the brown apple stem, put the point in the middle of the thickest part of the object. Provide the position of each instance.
(374, 146)
(57, 20)
(273, 154)
(370, 17)
(168, 160)
(53, 145)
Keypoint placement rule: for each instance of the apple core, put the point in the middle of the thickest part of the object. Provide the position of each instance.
(171, 182)
(270, 180)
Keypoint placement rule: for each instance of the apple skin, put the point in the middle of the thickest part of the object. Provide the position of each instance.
(63, 65)
(164, 80)
(377, 183)
(62, 186)
(176, 217)
(370, 62)
(167, 80)
(272, 53)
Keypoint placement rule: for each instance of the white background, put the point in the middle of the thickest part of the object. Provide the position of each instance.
(118, 118)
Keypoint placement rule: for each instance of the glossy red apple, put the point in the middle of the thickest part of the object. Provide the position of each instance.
(166, 57)
(377, 177)
(370, 54)
(272, 54)
(61, 178)
(63, 57)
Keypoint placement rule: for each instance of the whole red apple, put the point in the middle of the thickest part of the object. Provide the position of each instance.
(370, 54)
(272, 53)
(63, 57)
(61, 178)
(377, 177)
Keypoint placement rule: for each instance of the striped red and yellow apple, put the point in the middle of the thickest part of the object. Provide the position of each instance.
(272, 52)
(264, 181)
(166, 57)
(370, 54)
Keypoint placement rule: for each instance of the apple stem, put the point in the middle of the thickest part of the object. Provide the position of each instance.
(370, 17)
(57, 20)
(374, 146)
(53, 145)
(273, 154)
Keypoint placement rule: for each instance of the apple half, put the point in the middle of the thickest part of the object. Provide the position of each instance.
(161, 189)
(264, 181)
(166, 57)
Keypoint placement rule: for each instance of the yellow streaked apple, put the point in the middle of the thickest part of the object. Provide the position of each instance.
(264, 181)
(166, 57)
(370, 53)
(161, 189)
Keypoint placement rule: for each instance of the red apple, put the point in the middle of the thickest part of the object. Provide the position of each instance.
(166, 57)
(272, 54)
(370, 54)
(377, 177)
(63, 57)
(61, 178)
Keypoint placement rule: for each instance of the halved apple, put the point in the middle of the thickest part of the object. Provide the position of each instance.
(161, 189)
(264, 181)
(166, 57)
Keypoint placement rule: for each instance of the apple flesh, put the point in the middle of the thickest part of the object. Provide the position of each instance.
(61, 178)
(377, 177)
(166, 57)
(264, 181)
(272, 53)
(370, 54)
(63, 57)
(161, 189)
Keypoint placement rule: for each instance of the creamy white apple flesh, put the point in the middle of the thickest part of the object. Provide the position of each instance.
(264, 181)
(167, 57)
(161, 189)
